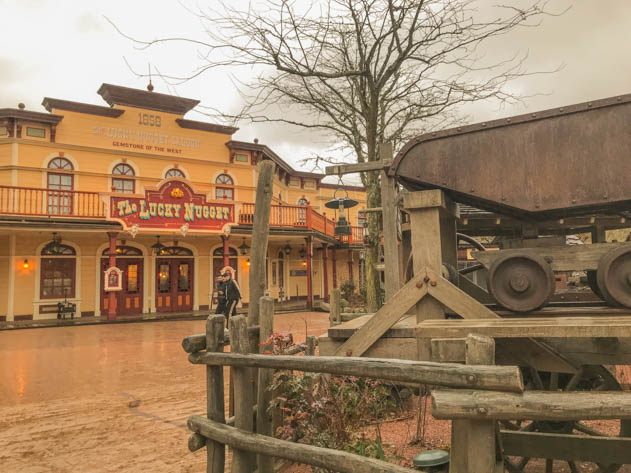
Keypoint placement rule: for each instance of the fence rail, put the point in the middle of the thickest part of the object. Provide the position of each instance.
(50, 202)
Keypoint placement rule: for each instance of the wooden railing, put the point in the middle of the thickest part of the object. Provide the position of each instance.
(252, 441)
(293, 216)
(50, 202)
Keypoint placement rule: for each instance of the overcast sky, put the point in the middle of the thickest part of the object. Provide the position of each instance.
(66, 49)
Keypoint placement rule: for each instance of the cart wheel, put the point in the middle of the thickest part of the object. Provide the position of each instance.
(614, 276)
(588, 378)
(521, 282)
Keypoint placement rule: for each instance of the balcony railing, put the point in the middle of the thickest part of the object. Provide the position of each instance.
(50, 202)
(81, 204)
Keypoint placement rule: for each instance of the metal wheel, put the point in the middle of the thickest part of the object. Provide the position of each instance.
(614, 276)
(521, 282)
(588, 378)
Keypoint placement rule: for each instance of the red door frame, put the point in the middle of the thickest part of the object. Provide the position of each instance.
(175, 300)
(126, 303)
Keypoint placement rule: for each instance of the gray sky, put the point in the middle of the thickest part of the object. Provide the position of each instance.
(65, 49)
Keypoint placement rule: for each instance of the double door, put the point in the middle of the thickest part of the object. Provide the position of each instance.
(129, 299)
(174, 284)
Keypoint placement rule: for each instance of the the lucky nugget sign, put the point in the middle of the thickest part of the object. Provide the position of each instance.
(173, 205)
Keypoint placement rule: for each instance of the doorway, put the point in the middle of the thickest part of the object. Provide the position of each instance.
(129, 300)
(174, 280)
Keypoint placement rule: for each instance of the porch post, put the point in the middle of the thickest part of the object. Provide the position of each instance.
(112, 309)
(334, 269)
(226, 250)
(350, 265)
(309, 241)
(325, 270)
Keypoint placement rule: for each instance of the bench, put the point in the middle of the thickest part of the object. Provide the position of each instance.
(64, 308)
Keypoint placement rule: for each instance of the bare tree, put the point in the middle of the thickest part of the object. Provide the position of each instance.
(364, 71)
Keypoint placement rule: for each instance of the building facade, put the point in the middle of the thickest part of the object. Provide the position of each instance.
(167, 200)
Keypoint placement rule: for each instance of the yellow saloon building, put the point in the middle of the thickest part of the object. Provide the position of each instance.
(166, 200)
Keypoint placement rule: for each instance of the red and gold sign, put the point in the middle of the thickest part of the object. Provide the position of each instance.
(172, 206)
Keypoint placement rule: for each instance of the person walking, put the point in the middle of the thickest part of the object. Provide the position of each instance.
(232, 291)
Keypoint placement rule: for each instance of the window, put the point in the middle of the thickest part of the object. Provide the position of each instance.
(221, 192)
(124, 251)
(242, 158)
(57, 277)
(302, 213)
(294, 181)
(309, 183)
(4, 131)
(36, 132)
(123, 185)
(176, 251)
(174, 173)
(60, 187)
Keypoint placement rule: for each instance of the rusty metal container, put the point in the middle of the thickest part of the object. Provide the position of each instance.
(566, 161)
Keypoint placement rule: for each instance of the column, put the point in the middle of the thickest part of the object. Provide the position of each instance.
(350, 266)
(309, 241)
(11, 285)
(111, 311)
(226, 250)
(334, 269)
(325, 271)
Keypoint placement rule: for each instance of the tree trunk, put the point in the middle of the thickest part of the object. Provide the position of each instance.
(374, 299)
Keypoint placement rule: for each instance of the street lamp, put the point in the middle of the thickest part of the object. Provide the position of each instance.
(243, 248)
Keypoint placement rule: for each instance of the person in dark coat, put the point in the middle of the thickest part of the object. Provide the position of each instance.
(221, 294)
(233, 293)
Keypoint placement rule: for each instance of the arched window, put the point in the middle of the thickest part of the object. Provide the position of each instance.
(174, 173)
(58, 270)
(124, 251)
(302, 213)
(123, 185)
(221, 191)
(175, 251)
(60, 185)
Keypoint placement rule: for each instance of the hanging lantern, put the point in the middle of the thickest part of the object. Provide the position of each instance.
(55, 244)
(339, 204)
(287, 249)
(302, 253)
(158, 248)
(243, 248)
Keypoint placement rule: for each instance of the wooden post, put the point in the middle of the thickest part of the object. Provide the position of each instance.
(390, 233)
(473, 442)
(112, 309)
(350, 267)
(335, 315)
(260, 232)
(310, 349)
(325, 271)
(334, 271)
(215, 452)
(264, 395)
(242, 462)
(309, 244)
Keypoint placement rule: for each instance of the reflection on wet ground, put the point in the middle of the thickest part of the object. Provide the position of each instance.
(106, 397)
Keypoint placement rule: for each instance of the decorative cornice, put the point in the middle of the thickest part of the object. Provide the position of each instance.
(26, 115)
(50, 104)
(204, 126)
(118, 95)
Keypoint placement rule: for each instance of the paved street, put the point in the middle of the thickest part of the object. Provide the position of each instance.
(65, 396)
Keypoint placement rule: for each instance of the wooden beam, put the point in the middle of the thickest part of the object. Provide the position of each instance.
(475, 291)
(530, 405)
(341, 169)
(562, 327)
(215, 407)
(392, 276)
(496, 378)
(334, 460)
(603, 450)
(265, 380)
(384, 318)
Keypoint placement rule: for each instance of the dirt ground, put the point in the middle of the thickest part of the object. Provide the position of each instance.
(111, 398)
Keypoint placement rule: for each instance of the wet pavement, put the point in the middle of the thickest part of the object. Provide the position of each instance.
(104, 398)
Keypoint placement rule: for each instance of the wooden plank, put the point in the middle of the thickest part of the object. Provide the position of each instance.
(448, 350)
(394, 348)
(265, 380)
(333, 460)
(384, 318)
(576, 327)
(242, 461)
(570, 258)
(215, 408)
(260, 232)
(593, 351)
(335, 316)
(603, 450)
(390, 233)
(456, 299)
(341, 169)
(420, 372)
(530, 405)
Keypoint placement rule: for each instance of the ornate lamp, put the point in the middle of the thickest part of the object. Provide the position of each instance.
(302, 252)
(287, 249)
(339, 204)
(243, 248)
(158, 248)
(55, 243)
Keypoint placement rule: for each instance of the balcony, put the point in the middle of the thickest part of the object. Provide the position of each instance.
(30, 201)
